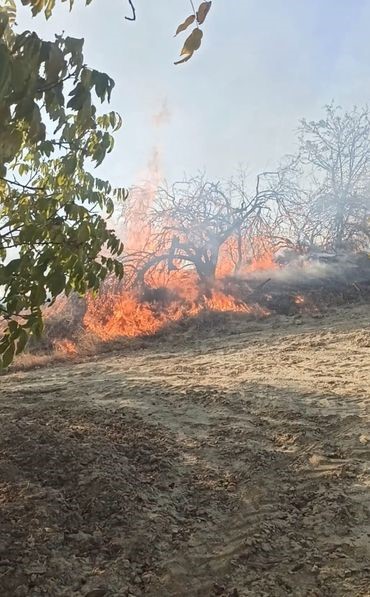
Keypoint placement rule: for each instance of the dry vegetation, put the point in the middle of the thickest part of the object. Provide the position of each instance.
(207, 463)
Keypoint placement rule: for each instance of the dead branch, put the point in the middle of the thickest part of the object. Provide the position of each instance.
(133, 17)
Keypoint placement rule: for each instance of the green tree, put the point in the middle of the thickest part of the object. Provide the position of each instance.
(54, 236)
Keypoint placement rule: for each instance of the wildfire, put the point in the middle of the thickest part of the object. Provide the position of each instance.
(113, 316)
(169, 291)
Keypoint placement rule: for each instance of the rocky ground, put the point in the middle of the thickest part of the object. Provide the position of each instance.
(230, 461)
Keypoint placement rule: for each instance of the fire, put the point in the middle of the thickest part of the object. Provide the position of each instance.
(117, 315)
(128, 313)
(168, 291)
(66, 347)
(262, 257)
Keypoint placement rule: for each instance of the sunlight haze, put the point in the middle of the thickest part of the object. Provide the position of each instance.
(262, 66)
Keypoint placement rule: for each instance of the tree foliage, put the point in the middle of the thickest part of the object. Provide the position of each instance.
(53, 210)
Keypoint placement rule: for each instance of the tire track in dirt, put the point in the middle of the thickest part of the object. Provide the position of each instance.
(251, 454)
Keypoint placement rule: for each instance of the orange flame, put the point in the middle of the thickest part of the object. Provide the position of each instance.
(118, 315)
(127, 313)
(66, 347)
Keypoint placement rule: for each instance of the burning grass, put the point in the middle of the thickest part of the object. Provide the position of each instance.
(120, 319)
(195, 252)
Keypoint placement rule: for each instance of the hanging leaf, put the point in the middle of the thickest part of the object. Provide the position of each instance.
(41, 5)
(5, 71)
(203, 10)
(4, 20)
(22, 341)
(8, 354)
(56, 281)
(54, 64)
(185, 24)
(49, 8)
(184, 59)
(10, 8)
(192, 43)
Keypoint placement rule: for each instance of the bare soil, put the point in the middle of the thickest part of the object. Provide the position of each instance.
(231, 462)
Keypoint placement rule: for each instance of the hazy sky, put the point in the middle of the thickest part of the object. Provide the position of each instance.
(263, 65)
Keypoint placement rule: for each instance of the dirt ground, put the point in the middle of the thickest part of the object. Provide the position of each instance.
(231, 463)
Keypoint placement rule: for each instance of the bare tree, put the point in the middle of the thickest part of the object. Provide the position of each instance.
(319, 198)
(190, 222)
(335, 158)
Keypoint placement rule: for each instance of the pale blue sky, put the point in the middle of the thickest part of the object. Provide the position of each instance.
(263, 65)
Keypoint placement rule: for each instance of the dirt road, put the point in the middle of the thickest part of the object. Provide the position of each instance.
(233, 463)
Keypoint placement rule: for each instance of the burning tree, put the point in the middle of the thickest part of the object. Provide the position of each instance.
(207, 227)
(181, 242)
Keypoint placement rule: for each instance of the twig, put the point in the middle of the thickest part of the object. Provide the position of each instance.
(133, 18)
(193, 7)
(23, 186)
(55, 83)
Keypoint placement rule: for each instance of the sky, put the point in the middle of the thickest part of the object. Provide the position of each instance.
(263, 65)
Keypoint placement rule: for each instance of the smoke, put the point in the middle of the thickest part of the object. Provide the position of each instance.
(163, 116)
(311, 272)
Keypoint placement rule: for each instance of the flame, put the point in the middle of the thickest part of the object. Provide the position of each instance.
(66, 347)
(260, 258)
(174, 293)
(112, 316)
(170, 292)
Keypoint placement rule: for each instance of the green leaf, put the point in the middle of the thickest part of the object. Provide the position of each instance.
(83, 233)
(78, 97)
(12, 266)
(5, 71)
(13, 328)
(103, 85)
(8, 354)
(10, 8)
(185, 59)
(46, 148)
(70, 164)
(4, 21)
(22, 341)
(49, 8)
(73, 46)
(55, 64)
(51, 221)
(56, 281)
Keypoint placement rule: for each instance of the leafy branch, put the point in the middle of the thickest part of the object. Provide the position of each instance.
(193, 42)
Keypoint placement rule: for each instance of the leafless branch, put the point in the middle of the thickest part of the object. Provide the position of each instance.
(133, 17)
